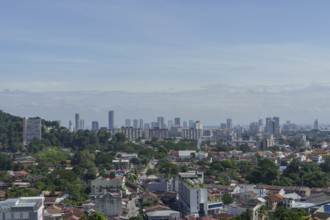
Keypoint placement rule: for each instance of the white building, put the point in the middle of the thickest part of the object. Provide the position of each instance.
(109, 204)
(192, 195)
(31, 129)
(25, 208)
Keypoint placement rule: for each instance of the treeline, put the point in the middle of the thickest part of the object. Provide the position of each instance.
(11, 130)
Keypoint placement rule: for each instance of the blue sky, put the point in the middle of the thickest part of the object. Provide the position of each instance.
(205, 60)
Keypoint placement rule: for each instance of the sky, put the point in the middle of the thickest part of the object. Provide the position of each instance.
(200, 60)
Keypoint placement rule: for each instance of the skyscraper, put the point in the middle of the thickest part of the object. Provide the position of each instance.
(277, 129)
(128, 123)
(95, 126)
(135, 123)
(177, 122)
(160, 122)
(269, 126)
(111, 120)
(141, 123)
(229, 123)
(76, 120)
(316, 125)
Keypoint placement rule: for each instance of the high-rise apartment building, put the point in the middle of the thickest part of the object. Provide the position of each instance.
(273, 126)
(135, 123)
(128, 123)
(269, 129)
(177, 122)
(76, 120)
(170, 124)
(229, 123)
(316, 125)
(81, 125)
(31, 129)
(277, 129)
(160, 122)
(191, 123)
(111, 120)
(95, 126)
(141, 123)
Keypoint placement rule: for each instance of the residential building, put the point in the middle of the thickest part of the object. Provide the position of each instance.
(109, 204)
(132, 133)
(149, 198)
(163, 215)
(135, 123)
(192, 194)
(25, 208)
(31, 129)
(157, 133)
(111, 120)
(229, 124)
(141, 123)
(160, 122)
(76, 120)
(95, 126)
(177, 122)
(316, 125)
(128, 123)
(101, 185)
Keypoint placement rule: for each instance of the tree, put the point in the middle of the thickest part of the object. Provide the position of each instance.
(227, 199)
(94, 216)
(325, 166)
(247, 215)
(266, 172)
(283, 214)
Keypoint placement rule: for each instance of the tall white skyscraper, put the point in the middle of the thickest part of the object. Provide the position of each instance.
(111, 120)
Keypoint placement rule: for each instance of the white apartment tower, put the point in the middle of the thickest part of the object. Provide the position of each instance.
(31, 129)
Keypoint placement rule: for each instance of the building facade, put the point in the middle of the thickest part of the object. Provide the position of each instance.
(24, 208)
(31, 129)
(192, 195)
(111, 119)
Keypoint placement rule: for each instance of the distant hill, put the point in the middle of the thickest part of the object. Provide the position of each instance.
(11, 131)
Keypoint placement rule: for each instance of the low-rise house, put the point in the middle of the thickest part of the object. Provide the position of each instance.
(300, 190)
(246, 195)
(274, 200)
(122, 155)
(2, 195)
(121, 164)
(163, 215)
(323, 213)
(311, 202)
(149, 197)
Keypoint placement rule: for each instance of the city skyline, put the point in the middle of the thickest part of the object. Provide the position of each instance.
(196, 60)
